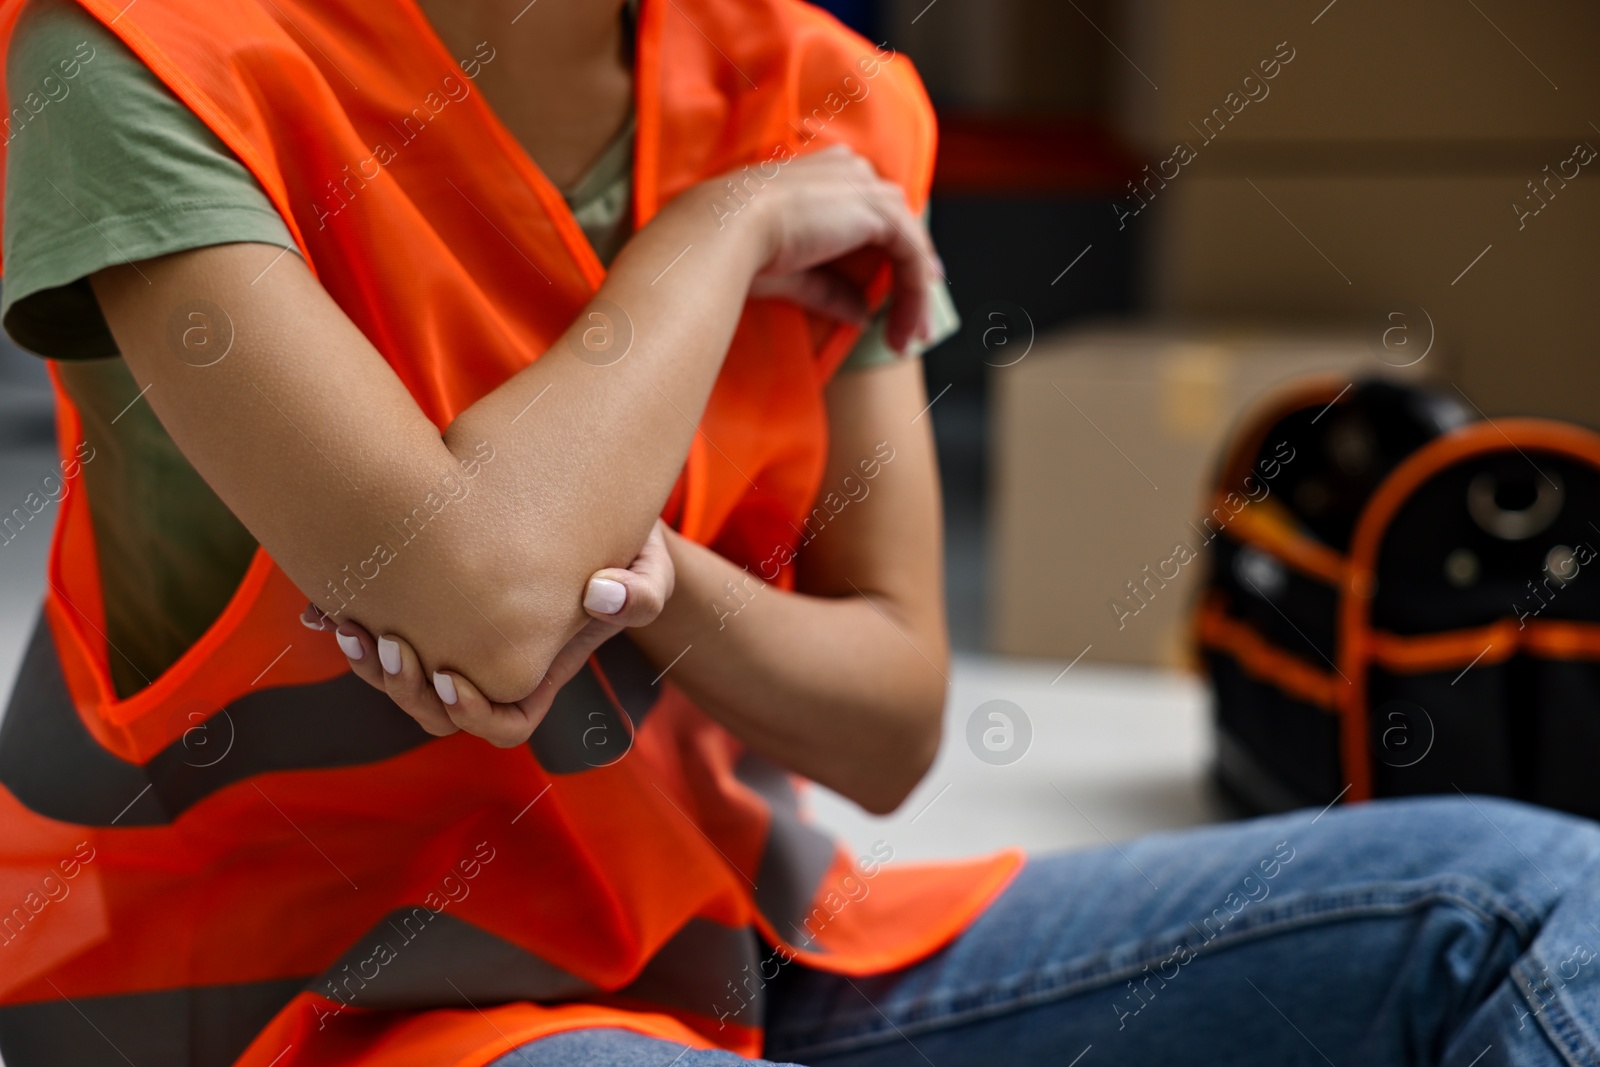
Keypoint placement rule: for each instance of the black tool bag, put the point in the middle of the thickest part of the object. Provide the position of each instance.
(1406, 605)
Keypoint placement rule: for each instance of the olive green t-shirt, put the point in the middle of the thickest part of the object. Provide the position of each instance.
(107, 168)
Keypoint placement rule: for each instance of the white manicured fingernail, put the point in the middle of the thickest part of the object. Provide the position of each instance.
(389, 655)
(445, 686)
(308, 624)
(605, 596)
(350, 644)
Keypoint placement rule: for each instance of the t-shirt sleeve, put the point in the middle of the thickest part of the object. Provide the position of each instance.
(872, 347)
(104, 166)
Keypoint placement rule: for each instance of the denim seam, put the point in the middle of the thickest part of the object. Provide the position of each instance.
(1067, 980)
(1559, 1025)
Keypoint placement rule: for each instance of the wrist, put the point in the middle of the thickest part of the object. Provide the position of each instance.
(688, 577)
(734, 224)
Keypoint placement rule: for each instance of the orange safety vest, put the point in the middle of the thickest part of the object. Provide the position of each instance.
(259, 859)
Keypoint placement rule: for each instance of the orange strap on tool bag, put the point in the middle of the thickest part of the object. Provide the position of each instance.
(1396, 603)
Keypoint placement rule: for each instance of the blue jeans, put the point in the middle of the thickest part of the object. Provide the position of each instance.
(1458, 932)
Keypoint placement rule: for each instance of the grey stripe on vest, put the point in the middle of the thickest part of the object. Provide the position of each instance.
(416, 958)
(585, 728)
(796, 857)
(409, 959)
(51, 763)
(696, 967)
(631, 676)
(207, 1026)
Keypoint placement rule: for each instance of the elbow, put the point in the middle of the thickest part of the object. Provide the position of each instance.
(509, 673)
(508, 634)
(907, 757)
(515, 653)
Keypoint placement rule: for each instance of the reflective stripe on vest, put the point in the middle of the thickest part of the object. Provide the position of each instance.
(52, 764)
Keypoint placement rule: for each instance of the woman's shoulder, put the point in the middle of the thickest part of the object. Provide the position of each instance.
(92, 134)
(65, 70)
(53, 39)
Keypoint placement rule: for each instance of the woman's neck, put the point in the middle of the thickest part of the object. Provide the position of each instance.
(559, 81)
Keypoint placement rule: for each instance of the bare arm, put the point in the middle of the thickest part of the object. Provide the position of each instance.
(310, 438)
(844, 681)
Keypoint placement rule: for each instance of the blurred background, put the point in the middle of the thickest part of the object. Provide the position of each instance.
(1154, 213)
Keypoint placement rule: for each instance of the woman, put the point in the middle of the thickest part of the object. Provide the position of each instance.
(494, 329)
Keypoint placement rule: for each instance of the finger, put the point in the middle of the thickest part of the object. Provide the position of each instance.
(502, 725)
(908, 226)
(636, 596)
(905, 240)
(314, 618)
(608, 597)
(913, 268)
(910, 316)
(409, 687)
(818, 290)
(361, 651)
(655, 559)
(911, 256)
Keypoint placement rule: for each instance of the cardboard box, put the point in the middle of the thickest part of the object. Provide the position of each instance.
(1407, 77)
(1105, 442)
(1510, 297)
(1428, 154)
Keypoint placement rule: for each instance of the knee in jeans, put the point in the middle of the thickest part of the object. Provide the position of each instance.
(1525, 838)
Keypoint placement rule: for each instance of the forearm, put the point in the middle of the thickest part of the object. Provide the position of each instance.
(311, 438)
(607, 415)
(590, 438)
(321, 474)
(845, 690)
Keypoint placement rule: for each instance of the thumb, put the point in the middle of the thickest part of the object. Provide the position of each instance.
(637, 595)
